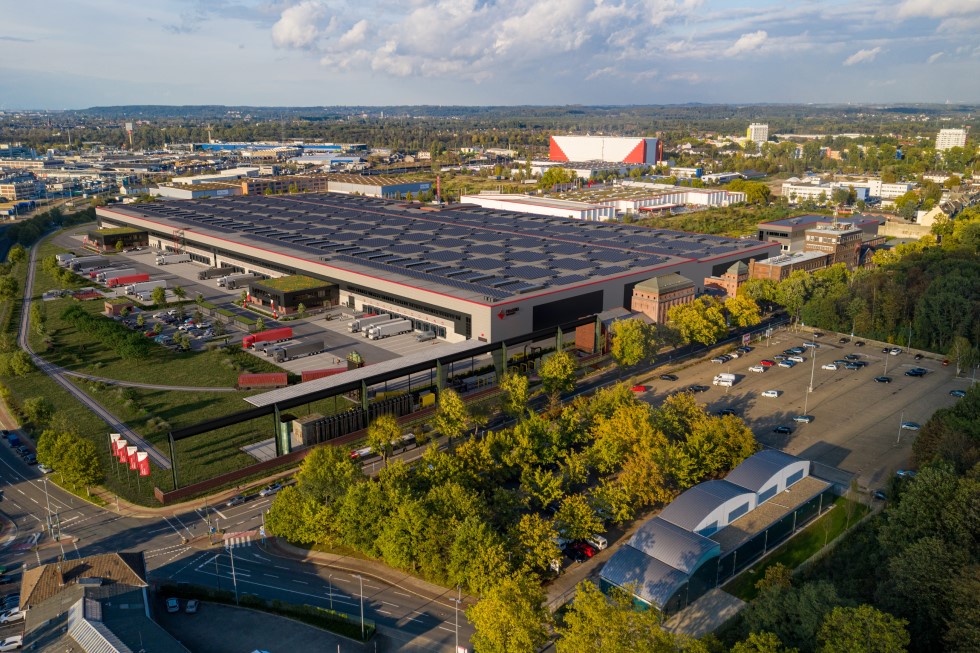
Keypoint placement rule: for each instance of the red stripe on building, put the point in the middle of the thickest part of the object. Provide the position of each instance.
(555, 153)
(639, 153)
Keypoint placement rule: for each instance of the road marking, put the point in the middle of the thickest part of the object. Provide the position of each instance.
(386, 612)
(301, 582)
(263, 558)
(448, 630)
(270, 575)
(342, 580)
(394, 605)
(281, 567)
(220, 514)
(401, 594)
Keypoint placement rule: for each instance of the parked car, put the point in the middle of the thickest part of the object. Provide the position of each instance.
(757, 368)
(787, 363)
(698, 388)
(425, 336)
(12, 643)
(895, 351)
(829, 366)
(780, 357)
(886, 350)
(852, 357)
(771, 393)
(31, 458)
(269, 490)
(811, 345)
(906, 473)
(727, 411)
(859, 343)
(236, 500)
(767, 363)
(917, 371)
(668, 377)
(640, 388)
(797, 359)
(852, 366)
(782, 430)
(173, 604)
(880, 495)
(843, 341)
(581, 550)
(883, 379)
(22, 450)
(918, 357)
(192, 606)
(803, 419)
(911, 426)
(957, 393)
(12, 616)
(44, 469)
(718, 359)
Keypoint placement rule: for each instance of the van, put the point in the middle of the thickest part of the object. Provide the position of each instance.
(598, 542)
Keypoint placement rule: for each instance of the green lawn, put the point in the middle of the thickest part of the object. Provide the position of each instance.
(800, 548)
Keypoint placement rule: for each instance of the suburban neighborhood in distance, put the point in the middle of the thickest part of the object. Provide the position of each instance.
(368, 336)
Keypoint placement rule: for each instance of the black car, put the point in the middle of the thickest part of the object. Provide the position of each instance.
(852, 366)
(22, 450)
(668, 377)
(883, 379)
(698, 388)
(916, 371)
(843, 341)
(859, 343)
(782, 430)
(886, 350)
(917, 357)
(31, 459)
(852, 357)
(726, 411)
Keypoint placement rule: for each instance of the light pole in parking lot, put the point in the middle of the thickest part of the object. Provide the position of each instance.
(901, 420)
(813, 368)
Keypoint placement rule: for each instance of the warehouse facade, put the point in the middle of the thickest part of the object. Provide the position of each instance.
(463, 271)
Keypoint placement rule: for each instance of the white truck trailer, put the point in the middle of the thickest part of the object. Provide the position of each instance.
(362, 323)
(167, 259)
(145, 286)
(393, 328)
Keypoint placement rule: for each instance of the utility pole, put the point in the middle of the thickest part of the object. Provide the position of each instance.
(234, 579)
(901, 420)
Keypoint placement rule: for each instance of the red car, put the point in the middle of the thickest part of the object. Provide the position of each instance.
(150, 334)
(640, 388)
(767, 363)
(582, 550)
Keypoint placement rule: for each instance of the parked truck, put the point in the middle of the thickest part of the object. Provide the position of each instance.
(87, 263)
(393, 328)
(233, 281)
(167, 259)
(126, 280)
(724, 379)
(64, 259)
(145, 286)
(213, 273)
(362, 323)
(104, 275)
(271, 335)
(307, 348)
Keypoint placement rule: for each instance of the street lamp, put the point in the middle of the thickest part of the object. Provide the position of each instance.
(456, 603)
(47, 502)
(330, 587)
(813, 368)
(360, 582)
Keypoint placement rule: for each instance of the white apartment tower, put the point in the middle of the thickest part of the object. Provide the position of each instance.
(948, 138)
(757, 132)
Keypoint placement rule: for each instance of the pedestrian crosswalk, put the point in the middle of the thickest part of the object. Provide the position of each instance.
(238, 540)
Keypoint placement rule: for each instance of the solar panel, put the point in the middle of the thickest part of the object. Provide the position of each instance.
(487, 249)
(528, 272)
(572, 264)
(527, 256)
(484, 263)
(571, 278)
(444, 256)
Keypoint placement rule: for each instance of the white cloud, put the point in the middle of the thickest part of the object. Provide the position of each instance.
(862, 56)
(933, 58)
(297, 25)
(938, 8)
(748, 43)
(354, 35)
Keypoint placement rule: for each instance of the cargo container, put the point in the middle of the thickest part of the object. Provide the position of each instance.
(104, 275)
(307, 348)
(127, 280)
(362, 323)
(144, 286)
(167, 259)
(312, 375)
(265, 380)
(213, 273)
(386, 329)
(273, 335)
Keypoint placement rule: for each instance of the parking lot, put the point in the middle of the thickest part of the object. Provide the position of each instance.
(856, 422)
(338, 341)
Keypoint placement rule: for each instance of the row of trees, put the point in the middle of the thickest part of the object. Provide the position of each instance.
(495, 506)
(129, 345)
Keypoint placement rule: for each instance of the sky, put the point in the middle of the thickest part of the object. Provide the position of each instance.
(66, 54)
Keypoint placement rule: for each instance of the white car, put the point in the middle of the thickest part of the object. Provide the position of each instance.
(797, 359)
(12, 616)
(829, 366)
(771, 393)
(12, 643)
(44, 469)
(173, 605)
(757, 368)
(895, 351)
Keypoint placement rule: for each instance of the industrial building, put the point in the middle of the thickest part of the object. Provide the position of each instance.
(462, 272)
(790, 233)
(648, 151)
(542, 206)
(715, 529)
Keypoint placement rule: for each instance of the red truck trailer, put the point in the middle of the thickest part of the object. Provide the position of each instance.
(127, 279)
(272, 335)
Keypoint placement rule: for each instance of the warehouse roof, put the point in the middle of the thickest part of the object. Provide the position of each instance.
(757, 470)
(490, 254)
(654, 581)
(690, 508)
(681, 549)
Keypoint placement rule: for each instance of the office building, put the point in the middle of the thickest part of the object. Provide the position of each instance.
(949, 138)
(757, 132)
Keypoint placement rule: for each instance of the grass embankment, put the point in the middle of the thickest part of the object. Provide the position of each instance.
(732, 221)
(800, 548)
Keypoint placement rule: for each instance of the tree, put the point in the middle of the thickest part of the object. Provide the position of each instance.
(38, 319)
(511, 618)
(862, 630)
(382, 434)
(301, 309)
(743, 311)
(794, 615)
(141, 320)
(80, 464)
(38, 411)
(243, 297)
(632, 342)
(558, 373)
(536, 541)
(159, 296)
(699, 321)
(576, 519)
(517, 393)
(762, 643)
(595, 622)
(20, 363)
(259, 324)
(298, 518)
(554, 176)
(53, 446)
(8, 287)
(119, 245)
(452, 418)
(962, 353)
(17, 254)
(327, 474)
(179, 293)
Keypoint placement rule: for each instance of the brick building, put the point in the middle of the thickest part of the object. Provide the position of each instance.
(727, 284)
(654, 297)
(840, 241)
(780, 267)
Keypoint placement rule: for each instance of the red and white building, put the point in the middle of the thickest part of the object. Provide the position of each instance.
(610, 149)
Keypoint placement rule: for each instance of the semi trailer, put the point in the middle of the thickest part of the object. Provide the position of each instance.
(114, 282)
(167, 259)
(145, 286)
(213, 273)
(271, 335)
(308, 348)
(393, 328)
(362, 323)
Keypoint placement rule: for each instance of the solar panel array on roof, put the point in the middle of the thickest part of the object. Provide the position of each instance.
(465, 246)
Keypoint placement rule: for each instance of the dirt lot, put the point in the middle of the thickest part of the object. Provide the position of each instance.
(856, 423)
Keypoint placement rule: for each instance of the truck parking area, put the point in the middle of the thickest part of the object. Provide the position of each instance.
(856, 422)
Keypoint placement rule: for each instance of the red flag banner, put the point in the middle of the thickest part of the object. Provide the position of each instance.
(113, 438)
(131, 457)
(121, 450)
(143, 463)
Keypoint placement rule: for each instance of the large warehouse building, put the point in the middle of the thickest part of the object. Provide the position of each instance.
(606, 148)
(462, 272)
